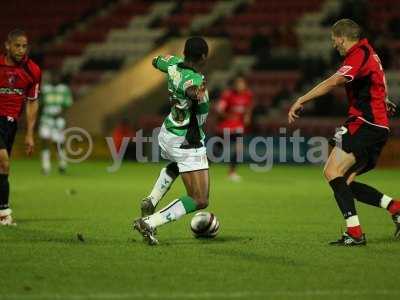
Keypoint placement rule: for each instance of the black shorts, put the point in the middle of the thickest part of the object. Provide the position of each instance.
(364, 140)
(8, 129)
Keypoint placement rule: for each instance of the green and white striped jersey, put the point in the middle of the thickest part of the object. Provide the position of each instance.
(187, 117)
(54, 99)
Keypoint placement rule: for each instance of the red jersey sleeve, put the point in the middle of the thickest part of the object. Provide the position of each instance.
(352, 65)
(33, 91)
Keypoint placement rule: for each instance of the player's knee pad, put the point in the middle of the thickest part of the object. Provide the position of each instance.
(172, 170)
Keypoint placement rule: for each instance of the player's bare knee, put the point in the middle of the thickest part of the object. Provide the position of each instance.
(351, 178)
(4, 165)
(331, 172)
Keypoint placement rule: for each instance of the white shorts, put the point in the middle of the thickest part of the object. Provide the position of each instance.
(53, 130)
(187, 159)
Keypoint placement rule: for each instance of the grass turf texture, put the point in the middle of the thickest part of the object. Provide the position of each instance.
(272, 242)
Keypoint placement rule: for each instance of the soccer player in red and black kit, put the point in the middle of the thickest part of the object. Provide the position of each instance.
(19, 84)
(357, 144)
(234, 109)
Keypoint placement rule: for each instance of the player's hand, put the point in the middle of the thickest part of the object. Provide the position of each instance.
(201, 92)
(29, 144)
(294, 111)
(196, 93)
(391, 108)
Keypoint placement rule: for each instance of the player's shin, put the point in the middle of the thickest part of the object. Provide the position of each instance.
(345, 200)
(164, 181)
(175, 210)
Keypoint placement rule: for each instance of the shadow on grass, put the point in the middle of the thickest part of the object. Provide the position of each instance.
(20, 235)
(203, 241)
(48, 220)
(255, 257)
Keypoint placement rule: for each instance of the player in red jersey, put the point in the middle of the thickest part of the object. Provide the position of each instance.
(357, 144)
(19, 84)
(234, 108)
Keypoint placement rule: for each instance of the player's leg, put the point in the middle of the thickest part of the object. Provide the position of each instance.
(5, 211)
(236, 149)
(365, 193)
(62, 163)
(45, 134)
(46, 157)
(8, 130)
(193, 167)
(371, 196)
(336, 167)
(162, 185)
(197, 188)
(58, 139)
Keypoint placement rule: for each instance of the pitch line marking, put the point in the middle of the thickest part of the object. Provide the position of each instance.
(234, 295)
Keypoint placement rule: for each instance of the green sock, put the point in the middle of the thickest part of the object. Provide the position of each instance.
(173, 211)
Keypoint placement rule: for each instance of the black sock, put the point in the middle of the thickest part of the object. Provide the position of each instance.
(344, 197)
(233, 158)
(366, 194)
(4, 191)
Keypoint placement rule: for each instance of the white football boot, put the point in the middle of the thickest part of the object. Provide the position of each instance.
(6, 218)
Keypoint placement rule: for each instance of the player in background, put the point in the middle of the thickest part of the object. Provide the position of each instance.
(19, 86)
(234, 109)
(181, 140)
(357, 144)
(56, 97)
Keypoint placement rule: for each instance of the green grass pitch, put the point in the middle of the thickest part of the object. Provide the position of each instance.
(272, 242)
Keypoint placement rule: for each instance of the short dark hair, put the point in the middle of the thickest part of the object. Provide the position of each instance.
(347, 28)
(195, 48)
(15, 33)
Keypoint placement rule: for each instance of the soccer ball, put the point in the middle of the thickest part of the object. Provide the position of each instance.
(204, 225)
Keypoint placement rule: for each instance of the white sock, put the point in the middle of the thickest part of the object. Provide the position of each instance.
(161, 187)
(170, 213)
(385, 200)
(352, 221)
(61, 161)
(46, 164)
(5, 212)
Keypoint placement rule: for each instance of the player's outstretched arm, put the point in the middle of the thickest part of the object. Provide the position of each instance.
(32, 107)
(319, 90)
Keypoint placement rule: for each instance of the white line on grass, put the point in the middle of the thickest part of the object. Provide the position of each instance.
(210, 295)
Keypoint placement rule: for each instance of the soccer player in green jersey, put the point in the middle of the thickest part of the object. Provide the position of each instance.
(56, 98)
(181, 140)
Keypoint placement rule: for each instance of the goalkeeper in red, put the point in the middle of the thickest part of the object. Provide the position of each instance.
(181, 140)
(357, 144)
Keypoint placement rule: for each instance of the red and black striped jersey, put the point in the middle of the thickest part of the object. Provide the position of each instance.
(17, 83)
(366, 86)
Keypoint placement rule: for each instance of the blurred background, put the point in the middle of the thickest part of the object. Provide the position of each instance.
(103, 49)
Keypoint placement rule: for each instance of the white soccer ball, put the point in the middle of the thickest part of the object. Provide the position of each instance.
(204, 225)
